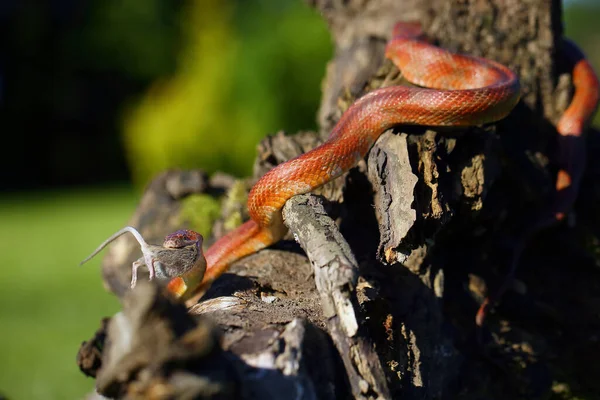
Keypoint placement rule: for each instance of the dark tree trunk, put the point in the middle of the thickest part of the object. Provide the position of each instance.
(400, 252)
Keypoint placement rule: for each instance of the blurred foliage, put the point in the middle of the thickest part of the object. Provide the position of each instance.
(246, 69)
(142, 38)
(67, 67)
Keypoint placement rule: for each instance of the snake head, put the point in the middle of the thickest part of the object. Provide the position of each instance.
(185, 279)
(409, 29)
(182, 238)
(179, 261)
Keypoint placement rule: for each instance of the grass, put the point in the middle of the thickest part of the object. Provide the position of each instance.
(48, 305)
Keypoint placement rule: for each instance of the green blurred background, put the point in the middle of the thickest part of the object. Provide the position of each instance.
(96, 96)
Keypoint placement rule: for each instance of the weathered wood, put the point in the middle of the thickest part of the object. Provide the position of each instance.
(336, 276)
(393, 185)
(154, 348)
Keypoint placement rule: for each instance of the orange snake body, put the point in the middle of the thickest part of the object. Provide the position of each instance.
(571, 127)
(459, 91)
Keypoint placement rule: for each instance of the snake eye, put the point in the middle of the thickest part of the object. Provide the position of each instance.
(182, 238)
